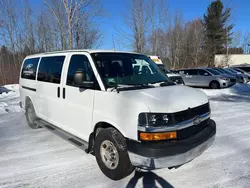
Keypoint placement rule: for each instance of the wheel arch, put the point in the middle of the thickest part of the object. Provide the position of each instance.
(97, 128)
(29, 99)
(215, 82)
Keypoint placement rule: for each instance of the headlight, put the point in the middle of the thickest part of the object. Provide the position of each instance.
(223, 78)
(155, 119)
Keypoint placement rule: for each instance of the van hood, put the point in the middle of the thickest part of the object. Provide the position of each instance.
(167, 99)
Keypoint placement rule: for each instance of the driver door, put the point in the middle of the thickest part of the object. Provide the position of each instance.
(204, 77)
(78, 102)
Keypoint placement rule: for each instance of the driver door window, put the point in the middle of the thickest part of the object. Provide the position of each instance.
(80, 63)
(204, 73)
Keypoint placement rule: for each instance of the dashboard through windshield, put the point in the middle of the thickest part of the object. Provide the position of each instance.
(127, 69)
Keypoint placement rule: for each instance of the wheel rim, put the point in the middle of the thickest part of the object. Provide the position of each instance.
(30, 115)
(109, 154)
(214, 86)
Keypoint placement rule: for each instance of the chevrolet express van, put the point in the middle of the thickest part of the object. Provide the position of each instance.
(124, 117)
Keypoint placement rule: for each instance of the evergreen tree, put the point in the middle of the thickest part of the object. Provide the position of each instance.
(217, 30)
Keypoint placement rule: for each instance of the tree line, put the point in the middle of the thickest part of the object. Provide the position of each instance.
(153, 29)
(158, 31)
(59, 25)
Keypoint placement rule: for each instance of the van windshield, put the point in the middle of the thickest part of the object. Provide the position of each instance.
(127, 69)
(163, 68)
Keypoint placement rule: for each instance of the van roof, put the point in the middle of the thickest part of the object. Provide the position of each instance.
(82, 50)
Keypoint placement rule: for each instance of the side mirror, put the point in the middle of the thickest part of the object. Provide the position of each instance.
(79, 80)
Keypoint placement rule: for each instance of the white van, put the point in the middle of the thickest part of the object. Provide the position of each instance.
(176, 78)
(127, 118)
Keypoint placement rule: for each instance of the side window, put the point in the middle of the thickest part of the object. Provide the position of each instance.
(145, 70)
(80, 63)
(204, 73)
(50, 69)
(191, 72)
(29, 68)
(136, 69)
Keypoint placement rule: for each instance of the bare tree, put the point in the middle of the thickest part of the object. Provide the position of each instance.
(245, 43)
(57, 9)
(8, 23)
(28, 25)
(85, 34)
(69, 15)
(137, 21)
(47, 37)
(159, 17)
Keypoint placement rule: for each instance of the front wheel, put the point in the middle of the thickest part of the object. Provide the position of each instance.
(111, 154)
(214, 85)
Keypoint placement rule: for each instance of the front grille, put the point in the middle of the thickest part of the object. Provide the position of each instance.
(193, 130)
(176, 79)
(190, 113)
(232, 80)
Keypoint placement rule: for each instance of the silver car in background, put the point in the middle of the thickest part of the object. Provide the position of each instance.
(206, 77)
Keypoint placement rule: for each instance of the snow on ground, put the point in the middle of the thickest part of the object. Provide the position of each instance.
(9, 99)
(37, 158)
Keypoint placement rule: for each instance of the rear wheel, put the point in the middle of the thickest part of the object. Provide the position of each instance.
(214, 85)
(111, 154)
(31, 115)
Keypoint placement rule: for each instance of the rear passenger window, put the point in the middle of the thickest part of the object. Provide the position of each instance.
(29, 68)
(204, 73)
(191, 72)
(50, 69)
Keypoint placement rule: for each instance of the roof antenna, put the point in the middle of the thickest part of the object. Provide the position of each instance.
(113, 42)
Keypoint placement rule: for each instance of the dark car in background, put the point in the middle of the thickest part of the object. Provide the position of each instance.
(239, 78)
(245, 75)
(245, 68)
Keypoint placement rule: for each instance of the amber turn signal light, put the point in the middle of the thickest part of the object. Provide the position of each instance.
(157, 136)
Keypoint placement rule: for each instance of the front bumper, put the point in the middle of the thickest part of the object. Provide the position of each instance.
(224, 84)
(171, 153)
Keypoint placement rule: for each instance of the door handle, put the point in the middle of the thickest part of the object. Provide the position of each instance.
(58, 92)
(64, 93)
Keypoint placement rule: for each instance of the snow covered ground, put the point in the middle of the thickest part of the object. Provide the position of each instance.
(37, 158)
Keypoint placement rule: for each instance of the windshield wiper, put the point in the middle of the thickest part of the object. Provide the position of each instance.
(164, 83)
(118, 87)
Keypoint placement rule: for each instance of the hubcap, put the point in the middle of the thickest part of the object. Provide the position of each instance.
(214, 85)
(109, 154)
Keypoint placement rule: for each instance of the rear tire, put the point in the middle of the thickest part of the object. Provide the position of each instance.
(214, 85)
(31, 115)
(111, 154)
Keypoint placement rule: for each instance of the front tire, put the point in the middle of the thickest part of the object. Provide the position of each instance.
(31, 115)
(214, 85)
(111, 154)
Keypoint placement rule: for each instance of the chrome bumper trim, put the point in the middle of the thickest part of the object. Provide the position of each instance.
(175, 127)
(170, 161)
